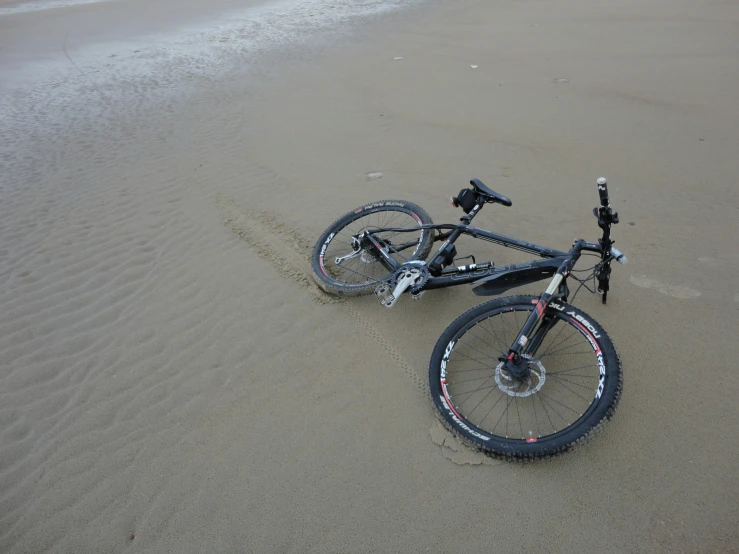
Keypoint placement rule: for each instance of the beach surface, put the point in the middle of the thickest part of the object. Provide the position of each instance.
(171, 380)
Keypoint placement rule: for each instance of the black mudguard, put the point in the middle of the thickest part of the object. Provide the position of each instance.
(508, 277)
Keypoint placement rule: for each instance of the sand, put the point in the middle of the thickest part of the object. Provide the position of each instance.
(172, 381)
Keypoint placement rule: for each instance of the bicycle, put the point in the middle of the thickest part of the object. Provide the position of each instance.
(487, 356)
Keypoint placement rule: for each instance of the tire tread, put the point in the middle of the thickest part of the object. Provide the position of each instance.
(359, 290)
(517, 456)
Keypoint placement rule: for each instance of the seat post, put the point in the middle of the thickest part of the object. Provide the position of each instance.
(467, 218)
(445, 255)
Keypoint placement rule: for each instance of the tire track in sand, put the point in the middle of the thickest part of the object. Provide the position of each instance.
(284, 248)
(288, 251)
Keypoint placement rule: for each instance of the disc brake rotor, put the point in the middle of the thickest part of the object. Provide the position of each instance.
(532, 384)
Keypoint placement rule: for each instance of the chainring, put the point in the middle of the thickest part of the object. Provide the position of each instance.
(419, 269)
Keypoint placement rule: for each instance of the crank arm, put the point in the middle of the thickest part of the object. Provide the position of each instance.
(387, 297)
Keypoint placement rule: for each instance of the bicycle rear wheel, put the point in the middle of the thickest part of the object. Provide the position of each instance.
(573, 387)
(360, 271)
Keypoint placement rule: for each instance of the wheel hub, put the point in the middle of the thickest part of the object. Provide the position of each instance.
(531, 377)
(367, 251)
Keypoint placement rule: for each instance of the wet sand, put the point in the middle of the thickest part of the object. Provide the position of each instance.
(170, 378)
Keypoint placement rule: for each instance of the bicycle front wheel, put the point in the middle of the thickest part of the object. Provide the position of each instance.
(572, 389)
(341, 269)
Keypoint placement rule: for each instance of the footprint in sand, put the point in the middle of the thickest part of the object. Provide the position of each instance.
(456, 451)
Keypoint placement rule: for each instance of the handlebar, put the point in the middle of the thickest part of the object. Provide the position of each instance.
(606, 217)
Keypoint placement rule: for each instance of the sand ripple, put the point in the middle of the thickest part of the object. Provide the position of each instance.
(117, 289)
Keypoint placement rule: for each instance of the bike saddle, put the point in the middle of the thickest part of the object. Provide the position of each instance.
(490, 194)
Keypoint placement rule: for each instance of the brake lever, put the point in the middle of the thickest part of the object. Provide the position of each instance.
(605, 216)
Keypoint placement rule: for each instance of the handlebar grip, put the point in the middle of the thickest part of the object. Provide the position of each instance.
(619, 256)
(603, 191)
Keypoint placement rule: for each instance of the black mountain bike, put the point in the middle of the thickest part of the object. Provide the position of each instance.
(519, 376)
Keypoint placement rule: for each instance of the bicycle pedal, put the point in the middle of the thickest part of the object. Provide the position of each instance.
(385, 296)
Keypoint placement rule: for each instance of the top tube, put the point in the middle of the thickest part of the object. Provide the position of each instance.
(510, 242)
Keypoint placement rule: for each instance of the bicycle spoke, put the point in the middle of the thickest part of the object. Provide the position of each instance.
(556, 375)
(480, 402)
(574, 333)
(479, 360)
(563, 349)
(554, 429)
(500, 397)
(569, 353)
(455, 382)
(473, 348)
(536, 419)
(541, 399)
(346, 268)
(544, 395)
(482, 340)
(507, 405)
(567, 370)
(562, 328)
(573, 392)
(458, 394)
(518, 413)
(501, 344)
(573, 382)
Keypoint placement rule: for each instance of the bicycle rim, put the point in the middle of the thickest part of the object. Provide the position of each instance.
(566, 378)
(364, 267)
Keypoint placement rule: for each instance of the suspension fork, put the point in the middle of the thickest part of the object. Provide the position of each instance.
(516, 366)
(548, 321)
(547, 324)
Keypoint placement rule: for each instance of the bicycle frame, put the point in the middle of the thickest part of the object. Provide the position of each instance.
(518, 370)
(493, 280)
